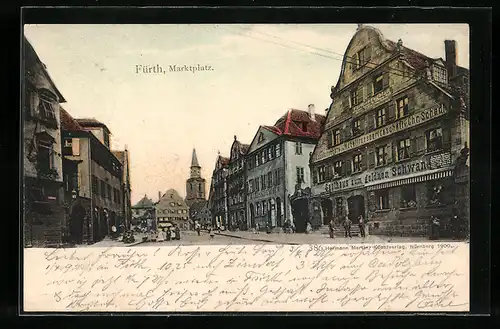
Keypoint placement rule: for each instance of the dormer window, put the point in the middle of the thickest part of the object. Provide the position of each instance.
(439, 74)
(261, 138)
(363, 57)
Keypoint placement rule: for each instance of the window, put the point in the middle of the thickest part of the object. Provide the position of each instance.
(304, 126)
(278, 150)
(109, 188)
(278, 177)
(263, 157)
(68, 148)
(270, 179)
(439, 74)
(356, 127)
(94, 185)
(434, 139)
(46, 110)
(338, 168)
(263, 181)
(298, 148)
(408, 196)
(44, 158)
(362, 57)
(381, 155)
(402, 107)
(103, 189)
(357, 162)
(355, 97)
(106, 139)
(261, 138)
(270, 154)
(404, 149)
(378, 83)
(382, 199)
(257, 160)
(336, 137)
(256, 184)
(258, 209)
(380, 118)
(329, 172)
(321, 174)
(300, 175)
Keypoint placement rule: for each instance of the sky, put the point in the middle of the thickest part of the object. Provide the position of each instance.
(258, 73)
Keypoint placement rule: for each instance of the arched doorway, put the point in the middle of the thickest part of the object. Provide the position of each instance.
(300, 212)
(327, 207)
(279, 217)
(252, 215)
(77, 218)
(356, 207)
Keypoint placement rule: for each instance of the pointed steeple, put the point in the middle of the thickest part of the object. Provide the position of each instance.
(194, 160)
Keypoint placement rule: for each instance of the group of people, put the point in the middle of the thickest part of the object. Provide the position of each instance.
(169, 234)
(347, 224)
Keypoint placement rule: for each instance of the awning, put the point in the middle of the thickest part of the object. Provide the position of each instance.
(412, 180)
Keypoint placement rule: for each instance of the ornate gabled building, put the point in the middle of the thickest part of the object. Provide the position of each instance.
(277, 164)
(396, 126)
(143, 212)
(195, 184)
(172, 209)
(236, 196)
(218, 193)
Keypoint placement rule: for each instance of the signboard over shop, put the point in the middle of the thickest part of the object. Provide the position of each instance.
(400, 125)
(403, 170)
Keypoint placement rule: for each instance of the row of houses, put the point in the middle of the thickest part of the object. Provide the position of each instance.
(392, 147)
(75, 187)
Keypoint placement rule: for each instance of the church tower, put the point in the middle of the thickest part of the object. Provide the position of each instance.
(195, 185)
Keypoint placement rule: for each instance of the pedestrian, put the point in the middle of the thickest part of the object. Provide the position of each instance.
(198, 229)
(169, 234)
(257, 228)
(211, 232)
(361, 225)
(177, 232)
(331, 228)
(455, 227)
(161, 235)
(308, 228)
(268, 228)
(294, 229)
(347, 227)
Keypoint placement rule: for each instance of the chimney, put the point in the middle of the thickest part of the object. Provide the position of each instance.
(312, 114)
(159, 195)
(450, 49)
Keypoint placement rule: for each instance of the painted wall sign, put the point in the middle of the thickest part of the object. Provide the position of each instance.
(390, 173)
(374, 101)
(400, 125)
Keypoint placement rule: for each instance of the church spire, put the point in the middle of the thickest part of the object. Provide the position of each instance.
(194, 160)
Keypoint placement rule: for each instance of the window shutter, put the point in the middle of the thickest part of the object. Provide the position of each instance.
(371, 158)
(75, 145)
(370, 121)
(361, 94)
(388, 151)
(412, 104)
(364, 161)
(385, 80)
(391, 111)
(314, 176)
(420, 144)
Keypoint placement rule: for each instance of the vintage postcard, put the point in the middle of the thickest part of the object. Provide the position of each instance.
(246, 168)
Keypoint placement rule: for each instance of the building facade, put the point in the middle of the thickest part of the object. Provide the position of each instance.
(124, 158)
(170, 210)
(236, 194)
(218, 193)
(199, 212)
(44, 199)
(143, 213)
(195, 185)
(277, 164)
(394, 131)
(98, 182)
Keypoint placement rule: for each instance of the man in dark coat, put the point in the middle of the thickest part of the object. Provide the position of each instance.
(347, 227)
(177, 232)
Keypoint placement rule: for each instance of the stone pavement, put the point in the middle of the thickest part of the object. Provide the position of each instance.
(108, 242)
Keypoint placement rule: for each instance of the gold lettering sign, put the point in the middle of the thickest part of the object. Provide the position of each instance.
(400, 125)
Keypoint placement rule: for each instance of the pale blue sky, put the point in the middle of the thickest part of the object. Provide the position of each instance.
(162, 117)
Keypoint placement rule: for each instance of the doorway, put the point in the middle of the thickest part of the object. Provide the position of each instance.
(77, 218)
(279, 217)
(356, 207)
(327, 207)
(252, 216)
(300, 211)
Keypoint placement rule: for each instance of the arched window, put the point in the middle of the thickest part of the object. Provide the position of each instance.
(191, 186)
(199, 187)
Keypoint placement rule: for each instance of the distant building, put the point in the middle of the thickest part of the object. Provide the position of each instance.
(44, 213)
(236, 183)
(200, 212)
(195, 185)
(143, 212)
(396, 130)
(277, 164)
(172, 209)
(98, 183)
(218, 193)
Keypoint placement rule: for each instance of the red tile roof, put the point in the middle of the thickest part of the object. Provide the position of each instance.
(68, 122)
(289, 123)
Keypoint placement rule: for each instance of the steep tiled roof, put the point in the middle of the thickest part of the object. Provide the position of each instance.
(145, 202)
(68, 122)
(288, 124)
